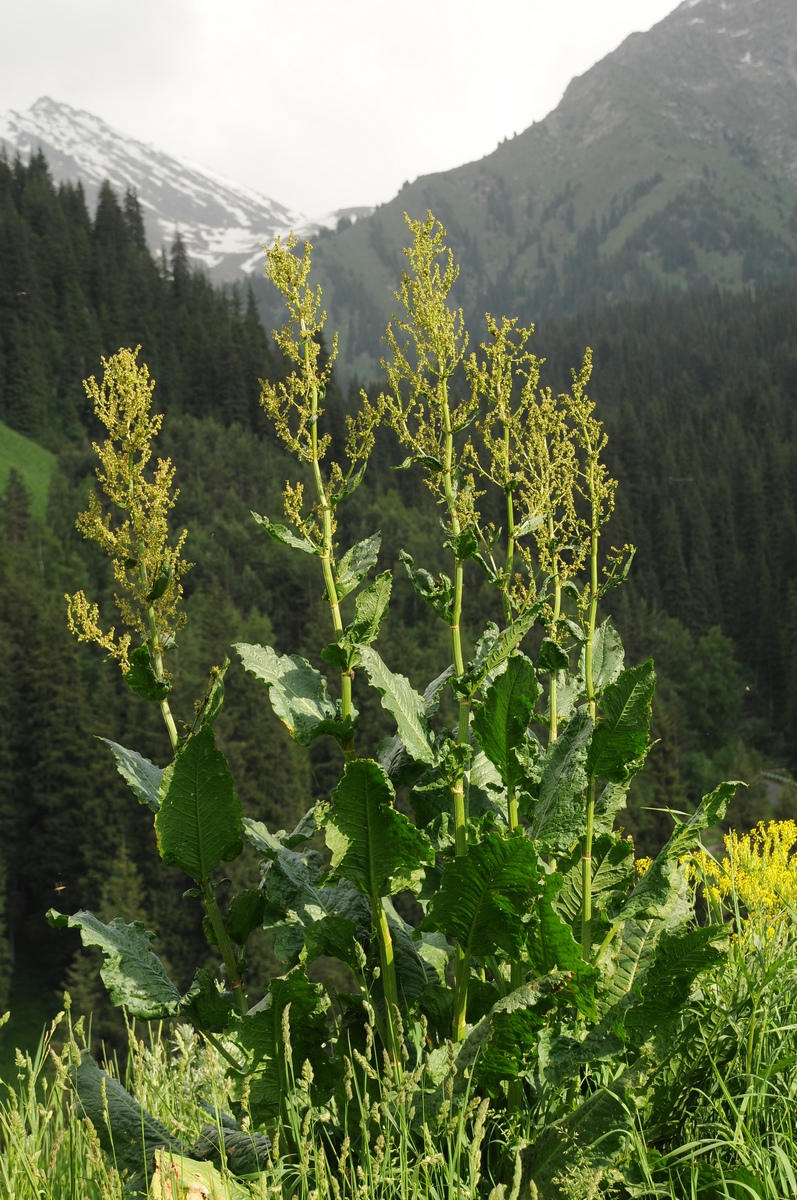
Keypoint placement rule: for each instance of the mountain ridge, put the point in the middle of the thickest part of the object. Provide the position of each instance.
(223, 224)
(671, 163)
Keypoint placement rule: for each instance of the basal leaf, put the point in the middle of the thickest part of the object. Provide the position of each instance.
(286, 536)
(142, 680)
(128, 1134)
(199, 821)
(504, 1042)
(500, 723)
(373, 845)
(621, 735)
(679, 959)
(560, 813)
(131, 971)
(356, 563)
(297, 691)
(485, 896)
(271, 1067)
(407, 707)
(143, 776)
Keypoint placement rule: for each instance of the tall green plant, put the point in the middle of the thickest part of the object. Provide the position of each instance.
(528, 971)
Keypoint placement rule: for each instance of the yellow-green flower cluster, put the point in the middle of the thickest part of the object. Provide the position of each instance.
(146, 568)
(759, 872)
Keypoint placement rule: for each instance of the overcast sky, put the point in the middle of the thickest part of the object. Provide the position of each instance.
(319, 104)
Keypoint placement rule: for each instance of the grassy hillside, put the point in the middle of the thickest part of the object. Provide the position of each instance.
(34, 463)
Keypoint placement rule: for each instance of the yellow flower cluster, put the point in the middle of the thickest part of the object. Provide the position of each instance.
(760, 871)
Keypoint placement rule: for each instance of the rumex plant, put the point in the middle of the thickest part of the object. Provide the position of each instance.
(543, 975)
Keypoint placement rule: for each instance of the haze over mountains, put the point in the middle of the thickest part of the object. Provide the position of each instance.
(224, 225)
(671, 164)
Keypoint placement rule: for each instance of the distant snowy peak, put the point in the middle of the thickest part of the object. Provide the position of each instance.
(223, 224)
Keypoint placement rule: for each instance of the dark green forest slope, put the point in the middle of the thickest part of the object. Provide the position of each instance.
(698, 394)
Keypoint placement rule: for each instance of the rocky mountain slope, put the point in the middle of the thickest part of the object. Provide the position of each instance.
(670, 164)
(223, 224)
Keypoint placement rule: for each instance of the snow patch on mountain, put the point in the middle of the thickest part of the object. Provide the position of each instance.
(224, 225)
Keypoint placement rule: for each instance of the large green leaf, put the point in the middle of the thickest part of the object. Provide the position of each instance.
(607, 656)
(199, 820)
(133, 974)
(407, 707)
(485, 896)
(142, 680)
(621, 735)
(680, 957)
(273, 1066)
(502, 646)
(500, 723)
(503, 1043)
(297, 691)
(612, 875)
(286, 536)
(552, 947)
(560, 814)
(203, 1004)
(373, 845)
(652, 894)
(128, 1134)
(370, 607)
(177, 1176)
(143, 776)
(356, 563)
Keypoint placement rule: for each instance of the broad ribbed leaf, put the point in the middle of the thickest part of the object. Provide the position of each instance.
(205, 1005)
(177, 1176)
(128, 1134)
(505, 1041)
(199, 821)
(142, 776)
(485, 895)
(131, 971)
(552, 657)
(621, 735)
(612, 875)
(500, 723)
(551, 946)
(356, 563)
(607, 656)
(560, 815)
(652, 895)
(142, 680)
(297, 691)
(270, 1069)
(678, 960)
(373, 845)
(407, 707)
(281, 533)
(506, 642)
(370, 607)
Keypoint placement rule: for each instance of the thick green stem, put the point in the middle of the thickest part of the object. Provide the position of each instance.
(226, 948)
(389, 986)
(586, 851)
(327, 559)
(509, 567)
(459, 786)
(553, 729)
(156, 651)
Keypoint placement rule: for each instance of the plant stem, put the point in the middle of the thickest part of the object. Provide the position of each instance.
(510, 534)
(389, 987)
(156, 651)
(225, 946)
(553, 731)
(327, 552)
(586, 853)
(462, 962)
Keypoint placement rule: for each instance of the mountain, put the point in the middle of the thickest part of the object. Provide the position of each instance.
(670, 164)
(222, 224)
